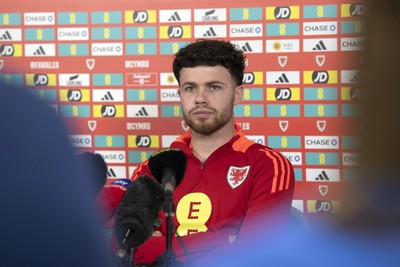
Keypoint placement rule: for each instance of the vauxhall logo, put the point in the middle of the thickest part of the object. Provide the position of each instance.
(248, 78)
(357, 10)
(283, 93)
(143, 141)
(108, 111)
(175, 32)
(140, 16)
(282, 12)
(320, 76)
(74, 95)
(6, 50)
(40, 79)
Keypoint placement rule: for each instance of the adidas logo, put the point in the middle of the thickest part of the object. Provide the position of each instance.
(142, 112)
(356, 78)
(175, 17)
(40, 51)
(247, 47)
(111, 173)
(6, 36)
(282, 79)
(319, 46)
(107, 97)
(210, 33)
(322, 177)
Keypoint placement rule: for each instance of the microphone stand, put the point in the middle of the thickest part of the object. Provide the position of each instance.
(168, 258)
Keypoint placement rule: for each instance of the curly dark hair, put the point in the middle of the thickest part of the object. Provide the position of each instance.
(211, 53)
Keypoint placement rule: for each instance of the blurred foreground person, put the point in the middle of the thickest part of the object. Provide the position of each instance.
(47, 213)
(367, 232)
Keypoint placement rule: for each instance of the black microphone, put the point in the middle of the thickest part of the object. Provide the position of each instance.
(168, 166)
(137, 215)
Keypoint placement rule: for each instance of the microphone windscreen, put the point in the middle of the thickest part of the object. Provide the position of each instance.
(138, 211)
(168, 158)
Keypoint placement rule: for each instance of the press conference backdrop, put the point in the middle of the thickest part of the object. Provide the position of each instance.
(105, 67)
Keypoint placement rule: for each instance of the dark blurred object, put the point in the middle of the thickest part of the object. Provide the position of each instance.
(137, 215)
(47, 215)
(97, 169)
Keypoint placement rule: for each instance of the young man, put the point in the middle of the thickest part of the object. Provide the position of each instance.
(233, 188)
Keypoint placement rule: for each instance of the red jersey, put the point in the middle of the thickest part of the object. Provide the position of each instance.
(242, 189)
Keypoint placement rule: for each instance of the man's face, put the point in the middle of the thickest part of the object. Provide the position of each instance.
(208, 95)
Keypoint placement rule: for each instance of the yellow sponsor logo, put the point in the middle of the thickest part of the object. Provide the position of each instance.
(41, 79)
(192, 213)
(100, 111)
(274, 94)
(315, 77)
(140, 16)
(167, 32)
(287, 12)
(136, 141)
(11, 50)
(74, 95)
(322, 206)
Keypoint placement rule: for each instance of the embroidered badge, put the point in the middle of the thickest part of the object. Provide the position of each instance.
(237, 175)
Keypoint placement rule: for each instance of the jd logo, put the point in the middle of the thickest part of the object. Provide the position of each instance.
(320, 76)
(282, 12)
(108, 111)
(140, 16)
(175, 32)
(143, 141)
(40, 79)
(283, 94)
(74, 95)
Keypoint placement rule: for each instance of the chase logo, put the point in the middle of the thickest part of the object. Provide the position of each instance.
(294, 157)
(137, 141)
(253, 78)
(320, 28)
(41, 79)
(140, 16)
(39, 18)
(114, 156)
(80, 140)
(353, 10)
(172, 32)
(316, 77)
(11, 50)
(282, 12)
(245, 30)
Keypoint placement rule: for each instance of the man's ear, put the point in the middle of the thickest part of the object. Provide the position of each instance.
(238, 94)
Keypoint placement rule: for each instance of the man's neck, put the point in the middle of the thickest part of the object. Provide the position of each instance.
(204, 145)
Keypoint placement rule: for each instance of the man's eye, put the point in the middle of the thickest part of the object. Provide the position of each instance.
(189, 89)
(215, 87)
